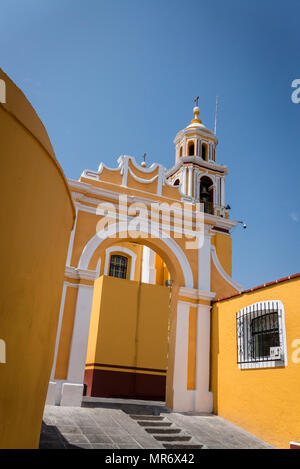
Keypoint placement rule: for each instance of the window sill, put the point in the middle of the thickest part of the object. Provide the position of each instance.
(262, 364)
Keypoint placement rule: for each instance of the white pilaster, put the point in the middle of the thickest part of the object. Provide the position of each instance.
(184, 180)
(204, 263)
(223, 192)
(184, 147)
(200, 399)
(71, 241)
(190, 185)
(203, 398)
(61, 313)
(183, 399)
(195, 184)
(148, 266)
(72, 391)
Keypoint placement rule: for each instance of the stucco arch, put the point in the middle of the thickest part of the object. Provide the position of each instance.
(167, 248)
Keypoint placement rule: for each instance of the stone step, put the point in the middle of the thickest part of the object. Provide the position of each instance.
(154, 424)
(165, 431)
(172, 438)
(146, 417)
(181, 446)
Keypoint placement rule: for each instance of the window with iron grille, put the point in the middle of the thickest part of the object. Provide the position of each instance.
(118, 266)
(261, 335)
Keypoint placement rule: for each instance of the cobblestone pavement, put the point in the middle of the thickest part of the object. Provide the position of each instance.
(115, 425)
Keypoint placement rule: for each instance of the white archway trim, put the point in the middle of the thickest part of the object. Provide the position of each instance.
(98, 238)
(222, 272)
(125, 251)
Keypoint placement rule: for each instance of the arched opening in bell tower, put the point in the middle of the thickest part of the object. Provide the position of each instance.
(207, 194)
(191, 149)
(204, 151)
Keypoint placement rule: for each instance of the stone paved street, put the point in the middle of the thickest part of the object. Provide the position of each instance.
(119, 425)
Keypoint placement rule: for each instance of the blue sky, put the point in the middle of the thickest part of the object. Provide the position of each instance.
(119, 77)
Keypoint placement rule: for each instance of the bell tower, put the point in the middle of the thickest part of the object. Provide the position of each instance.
(200, 177)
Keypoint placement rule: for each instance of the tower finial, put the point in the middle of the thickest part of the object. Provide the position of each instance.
(196, 112)
(144, 162)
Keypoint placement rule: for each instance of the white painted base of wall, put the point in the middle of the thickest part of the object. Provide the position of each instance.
(204, 402)
(192, 401)
(183, 400)
(71, 394)
(50, 399)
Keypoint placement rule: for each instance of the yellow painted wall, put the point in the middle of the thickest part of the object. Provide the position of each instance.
(222, 242)
(36, 216)
(129, 328)
(162, 272)
(266, 401)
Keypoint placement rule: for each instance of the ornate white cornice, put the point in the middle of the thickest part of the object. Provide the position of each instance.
(198, 161)
(195, 294)
(84, 274)
(200, 130)
(214, 220)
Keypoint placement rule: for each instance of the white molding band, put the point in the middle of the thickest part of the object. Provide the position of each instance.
(219, 222)
(84, 274)
(195, 294)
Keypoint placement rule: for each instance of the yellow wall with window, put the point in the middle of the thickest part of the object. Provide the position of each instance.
(266, 401)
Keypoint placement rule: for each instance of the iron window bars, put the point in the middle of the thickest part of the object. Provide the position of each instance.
(118, 266)
(260, 337)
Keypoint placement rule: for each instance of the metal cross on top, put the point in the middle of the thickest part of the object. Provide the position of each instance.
(144, 156)
(196, 101)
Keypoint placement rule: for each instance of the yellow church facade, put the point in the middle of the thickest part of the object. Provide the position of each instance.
(147, 313)
(122, 287)
(135, 310)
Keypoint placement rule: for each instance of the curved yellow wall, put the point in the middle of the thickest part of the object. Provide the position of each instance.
(222, 242)
(263, 401)
(37, 215)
